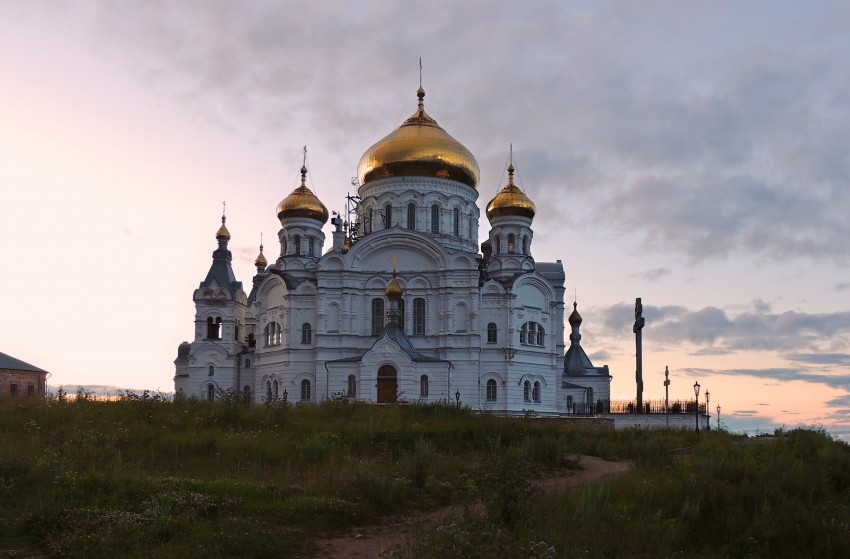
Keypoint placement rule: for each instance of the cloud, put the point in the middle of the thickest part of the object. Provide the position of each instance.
(778, 373)
(819, 358)
(843, 286)
(653, 275)
(714, 331)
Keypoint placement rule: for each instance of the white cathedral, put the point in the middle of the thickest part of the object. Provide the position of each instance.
(403, 306)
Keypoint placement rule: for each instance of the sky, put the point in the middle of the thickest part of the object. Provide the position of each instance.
(693, 154)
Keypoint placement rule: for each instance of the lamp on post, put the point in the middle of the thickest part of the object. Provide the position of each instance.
(285, 395)
(666, 396)
(707, 412)
(457, 398)
(718, 416)
(696, 403)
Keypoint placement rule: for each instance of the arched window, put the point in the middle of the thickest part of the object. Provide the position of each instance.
(491, 390)
(274, 389)
(525, 245)
(271, 334)
(377, 316)
(535, 394)
(247, 363)
(268, 391)
(369, 220)
(456, 222)
(419, 316)
(297, 242)
(411, 216)
(470, 224)
(435, 218)
(589, 396)
(532, 333)
(305, 390)
(306, 333)
(311, 246)
(352, 386)
(492, 333)
(498, 242)
(283, 246)
(211, 371)
(388, 216)
(214, 328)
(423, 386)
(511, 243)
(246, 394)
(210, 393)
(526, 391)
(401, 313)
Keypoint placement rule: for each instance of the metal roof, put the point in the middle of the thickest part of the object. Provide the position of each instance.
(9, 362)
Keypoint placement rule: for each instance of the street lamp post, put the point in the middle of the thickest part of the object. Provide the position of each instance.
(718, 417)
(457, 398)
(707, 412)
(696, 403)
(666, 396)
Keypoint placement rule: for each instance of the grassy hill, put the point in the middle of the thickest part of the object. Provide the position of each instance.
(143, 477)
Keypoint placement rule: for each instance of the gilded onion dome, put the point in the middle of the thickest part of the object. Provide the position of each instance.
(302, 203)
(393, 288)
(261, 261)
(575, 318)
(418, 148)
(511, 201)
(222, 234)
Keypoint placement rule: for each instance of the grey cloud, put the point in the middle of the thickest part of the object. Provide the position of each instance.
(697, 154)
(780, 374)
(819, 358)
(716, 332)
(653, 275)
(843, 286)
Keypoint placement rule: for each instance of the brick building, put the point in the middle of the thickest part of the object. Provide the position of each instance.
(18, 378)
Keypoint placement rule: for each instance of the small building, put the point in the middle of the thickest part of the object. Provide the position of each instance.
(18, 378)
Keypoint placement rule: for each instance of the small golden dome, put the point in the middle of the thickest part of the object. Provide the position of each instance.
(393, 288)
(575, 318)
(511, 201)
(222, 234)
(261, 261)
(418, 148)
(302, 203)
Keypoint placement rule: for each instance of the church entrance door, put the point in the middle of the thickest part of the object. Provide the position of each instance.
(387, 384)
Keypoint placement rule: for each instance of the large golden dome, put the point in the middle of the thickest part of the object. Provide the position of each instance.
(511, 201)
(418, 148)
(302, 203)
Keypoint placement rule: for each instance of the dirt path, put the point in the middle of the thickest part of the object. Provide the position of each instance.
(370, 541)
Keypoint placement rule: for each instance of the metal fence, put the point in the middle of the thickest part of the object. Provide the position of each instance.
(681, 407)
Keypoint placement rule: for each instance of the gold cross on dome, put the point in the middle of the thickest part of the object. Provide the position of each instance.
(395, 262)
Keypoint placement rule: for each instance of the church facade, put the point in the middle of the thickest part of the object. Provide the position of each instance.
(402, 306)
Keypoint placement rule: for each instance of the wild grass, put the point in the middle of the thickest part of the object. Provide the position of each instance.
(144, 477)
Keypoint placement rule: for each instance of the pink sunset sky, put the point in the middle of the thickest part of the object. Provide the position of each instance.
(693, 154)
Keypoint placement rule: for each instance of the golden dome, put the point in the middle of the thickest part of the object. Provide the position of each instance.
(511, 201)
(222, 234)
(261, 261)
(393, 288)
(418, 148)
(575, 318)
(302, 203)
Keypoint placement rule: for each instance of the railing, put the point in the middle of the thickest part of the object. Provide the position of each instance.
(679, 407)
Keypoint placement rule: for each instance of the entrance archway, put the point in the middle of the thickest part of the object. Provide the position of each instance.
(387, 384)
